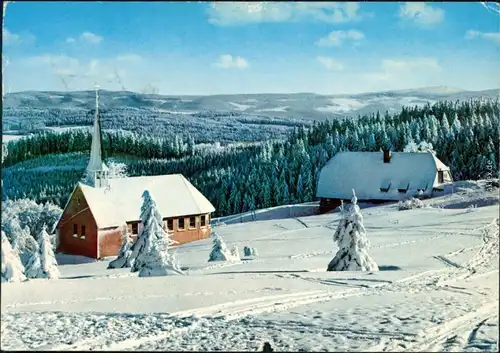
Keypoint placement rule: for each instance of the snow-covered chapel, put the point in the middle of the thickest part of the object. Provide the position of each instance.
(99, 207)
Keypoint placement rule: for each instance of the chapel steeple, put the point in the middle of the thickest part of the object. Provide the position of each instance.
(97, 171)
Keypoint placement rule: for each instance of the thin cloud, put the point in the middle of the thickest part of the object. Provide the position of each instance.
(70, 70)
(9, 38)
(129, 58)
(336, 38)
(396, 70)
(86, 37)
(330, 63)
(390, 65)
(493, 36)
(229, 62)
(91, 38)
(48, 59)
(421, 13)
(243, 13)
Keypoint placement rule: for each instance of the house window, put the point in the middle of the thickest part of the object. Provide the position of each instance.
(170, 224)
(181, 223)
(83, 231)
(192, 222)
(385, 186)
(422, 186)
(135, 228)
(75, 229)
(440, 177)
(403, 187)
(78, 201)
(203, 221)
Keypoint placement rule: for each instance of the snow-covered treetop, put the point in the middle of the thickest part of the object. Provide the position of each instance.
(354, 199)
(423, 146)
(12, 268)
(117, 170)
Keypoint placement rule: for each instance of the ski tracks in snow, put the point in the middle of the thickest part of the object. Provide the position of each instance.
(442, 337)
(428, 280)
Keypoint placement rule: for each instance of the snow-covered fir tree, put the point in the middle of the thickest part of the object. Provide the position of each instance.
(33, 267)
(423, 146)
(352, 242)
(12, 268)
(220, 251)
(152, 230)
(157, 261)
(123, 259)
(23, 220)
(48, 262)
(117, 170)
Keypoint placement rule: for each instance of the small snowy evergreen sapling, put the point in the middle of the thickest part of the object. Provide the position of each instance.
(249, 251)
(351, 238)
(174, 259)
(220, 252)
(47, 257)
(235, 253)
(12, 268)
(123, 260)
(410, 204)
(33, 267)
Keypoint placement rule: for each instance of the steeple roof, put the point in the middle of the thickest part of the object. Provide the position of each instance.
(96, 163)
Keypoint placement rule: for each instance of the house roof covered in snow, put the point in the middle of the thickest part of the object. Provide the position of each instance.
(121, 201)
(372, 179)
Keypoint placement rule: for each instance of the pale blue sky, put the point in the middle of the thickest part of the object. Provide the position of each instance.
(217, 48)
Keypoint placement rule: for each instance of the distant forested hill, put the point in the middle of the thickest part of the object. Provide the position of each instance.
(246, 176)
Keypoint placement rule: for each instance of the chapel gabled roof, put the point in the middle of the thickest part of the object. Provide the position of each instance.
(121, 201)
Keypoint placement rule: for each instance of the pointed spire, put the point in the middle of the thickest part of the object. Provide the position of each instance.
(96, 168)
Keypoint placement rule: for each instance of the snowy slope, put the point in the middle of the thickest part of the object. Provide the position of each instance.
(437, 290)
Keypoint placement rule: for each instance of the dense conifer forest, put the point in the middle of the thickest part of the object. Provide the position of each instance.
(246, 176)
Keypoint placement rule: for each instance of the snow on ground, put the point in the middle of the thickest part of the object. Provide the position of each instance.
(275, 109)
(437, 290)
(7, 138)
(178, 112)
(66, 128)
(412, 101)
(241, 107)
(342, 105)
(278, 212)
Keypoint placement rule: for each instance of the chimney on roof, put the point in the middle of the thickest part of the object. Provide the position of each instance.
(387, 156)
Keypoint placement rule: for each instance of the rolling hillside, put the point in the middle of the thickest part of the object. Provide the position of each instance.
(437, 290)
(300, 105)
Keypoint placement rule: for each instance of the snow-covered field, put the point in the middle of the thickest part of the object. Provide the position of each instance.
(342, 105)
(8, 138)
(437, 291)
(275, 109)
(66, 128)
(241, 107)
